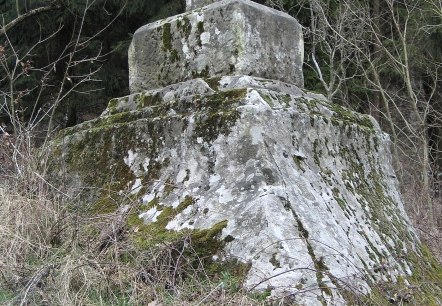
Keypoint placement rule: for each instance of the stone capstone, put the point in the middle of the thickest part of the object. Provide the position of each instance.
(230, 37)
(304, 190)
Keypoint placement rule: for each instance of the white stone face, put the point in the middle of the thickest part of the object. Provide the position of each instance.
(298, 180)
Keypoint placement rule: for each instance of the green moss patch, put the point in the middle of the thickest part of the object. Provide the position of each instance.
(167, 37)
(213, 82)
(204, 241)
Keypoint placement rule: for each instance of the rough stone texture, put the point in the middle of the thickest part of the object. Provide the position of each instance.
(230, 37)
(306, 188)
(194, 4)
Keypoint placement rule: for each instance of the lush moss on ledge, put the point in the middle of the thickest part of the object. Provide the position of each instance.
(204, 242)
(213, 82)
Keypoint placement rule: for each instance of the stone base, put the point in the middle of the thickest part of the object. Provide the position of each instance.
(301, 190)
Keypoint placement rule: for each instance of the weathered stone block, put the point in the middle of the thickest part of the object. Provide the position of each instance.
(230, 37)
(301, 190)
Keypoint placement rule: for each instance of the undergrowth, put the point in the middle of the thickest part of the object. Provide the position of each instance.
(52, 252)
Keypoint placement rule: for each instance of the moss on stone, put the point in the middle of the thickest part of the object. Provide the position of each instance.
(421, 288)
(200, 27)
(167, 37)
(112, 106)
(186, 27)
(147, 99)
(286, 99)
(266, 98)
(231, 272)
(204, 241)
(202, 74)
(348, 116)
(174, 57)
(229, 238)
(199, 31)
(276, 263)
(213, 82)
(169, 187)
(220, 113)
(317, 153)
(232, 68)
(299, 160)
(104, 204)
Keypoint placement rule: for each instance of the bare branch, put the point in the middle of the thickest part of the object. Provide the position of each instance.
(20, 18)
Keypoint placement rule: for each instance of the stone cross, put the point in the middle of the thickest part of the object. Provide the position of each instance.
(228, 37)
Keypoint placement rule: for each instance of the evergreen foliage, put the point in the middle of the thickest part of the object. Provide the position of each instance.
(106, 26)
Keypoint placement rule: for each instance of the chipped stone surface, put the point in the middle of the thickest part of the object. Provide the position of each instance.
(306, 187)
(229, 37)
(194, 4)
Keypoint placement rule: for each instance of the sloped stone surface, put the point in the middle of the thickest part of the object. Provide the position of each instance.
(304, 189)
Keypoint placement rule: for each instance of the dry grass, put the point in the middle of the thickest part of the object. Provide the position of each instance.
(51, 256)
(417, 209)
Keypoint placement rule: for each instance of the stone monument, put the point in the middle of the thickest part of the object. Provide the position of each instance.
(219, 141)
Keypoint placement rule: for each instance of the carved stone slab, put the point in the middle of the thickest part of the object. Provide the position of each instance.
(229, 37)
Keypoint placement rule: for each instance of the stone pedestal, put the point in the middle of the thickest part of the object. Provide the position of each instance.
(220, 146)
(230, 37)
